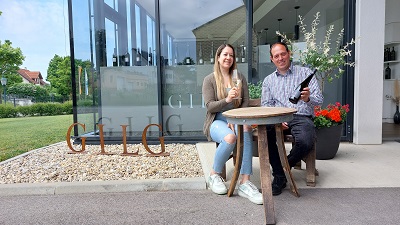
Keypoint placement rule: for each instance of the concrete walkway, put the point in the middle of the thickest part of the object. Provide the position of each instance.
(354, 166)
(360, 185)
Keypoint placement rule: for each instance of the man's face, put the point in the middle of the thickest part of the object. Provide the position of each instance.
(280, 57)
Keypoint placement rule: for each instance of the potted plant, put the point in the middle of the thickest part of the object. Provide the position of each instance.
(329, 123)
(255, 94)
(329, 61)
(320, 55)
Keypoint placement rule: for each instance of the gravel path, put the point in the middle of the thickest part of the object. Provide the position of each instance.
(55, 164)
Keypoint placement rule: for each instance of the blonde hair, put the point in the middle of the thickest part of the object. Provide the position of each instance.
(221, 90)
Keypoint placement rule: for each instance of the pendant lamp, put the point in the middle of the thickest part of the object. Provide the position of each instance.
(296, 27)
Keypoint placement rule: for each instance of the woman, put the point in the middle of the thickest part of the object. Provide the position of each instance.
(220, 95)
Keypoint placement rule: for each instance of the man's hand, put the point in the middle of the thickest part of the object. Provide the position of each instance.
(285, 126)
(305, 94)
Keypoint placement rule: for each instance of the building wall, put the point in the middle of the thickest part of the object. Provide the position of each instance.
(370, 30)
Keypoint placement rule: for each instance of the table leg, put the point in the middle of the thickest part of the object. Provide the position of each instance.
(284, 160)
(265, 175)
(238, 162)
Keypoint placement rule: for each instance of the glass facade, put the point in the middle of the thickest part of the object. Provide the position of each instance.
(149, 58)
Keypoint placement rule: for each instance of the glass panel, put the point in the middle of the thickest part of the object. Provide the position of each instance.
(118, 38)
(85, 75)
(191, 31)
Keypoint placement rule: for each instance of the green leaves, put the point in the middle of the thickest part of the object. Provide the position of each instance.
(320, 54)
(24, 90)
(59, 74)
(255, 90)
(10, 58)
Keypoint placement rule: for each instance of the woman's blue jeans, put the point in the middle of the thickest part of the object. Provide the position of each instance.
(218, 130)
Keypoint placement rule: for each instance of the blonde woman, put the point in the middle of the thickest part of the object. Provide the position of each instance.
(220, 95)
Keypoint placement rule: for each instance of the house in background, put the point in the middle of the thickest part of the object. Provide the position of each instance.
(32, 77)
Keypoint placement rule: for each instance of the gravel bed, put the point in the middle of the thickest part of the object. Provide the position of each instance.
(55, 164)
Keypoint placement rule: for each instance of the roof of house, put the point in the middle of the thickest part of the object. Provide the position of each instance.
(34, 77)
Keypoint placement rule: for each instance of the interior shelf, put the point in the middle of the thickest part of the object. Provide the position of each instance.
(394, 61)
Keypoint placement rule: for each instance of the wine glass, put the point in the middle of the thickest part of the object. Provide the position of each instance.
(236, 81)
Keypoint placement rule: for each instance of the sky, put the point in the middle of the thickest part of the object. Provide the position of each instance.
(38, 27)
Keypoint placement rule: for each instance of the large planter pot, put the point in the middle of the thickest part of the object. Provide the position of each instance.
(328, 140)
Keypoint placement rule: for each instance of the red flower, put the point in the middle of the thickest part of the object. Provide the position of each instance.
(333, 114)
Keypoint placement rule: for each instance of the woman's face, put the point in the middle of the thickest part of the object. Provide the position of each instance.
(226, 58)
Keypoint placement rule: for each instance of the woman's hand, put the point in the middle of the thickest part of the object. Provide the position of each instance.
(233, 93)
(285, 126)
(231, 126)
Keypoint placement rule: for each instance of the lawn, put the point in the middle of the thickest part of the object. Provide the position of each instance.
(20, 135)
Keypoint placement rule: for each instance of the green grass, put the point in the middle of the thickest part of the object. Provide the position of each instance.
(20, 135)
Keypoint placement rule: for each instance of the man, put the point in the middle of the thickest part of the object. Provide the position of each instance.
(276, 90)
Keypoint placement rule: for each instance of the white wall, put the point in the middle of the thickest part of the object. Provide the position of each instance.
(392, 36)
(370, 28)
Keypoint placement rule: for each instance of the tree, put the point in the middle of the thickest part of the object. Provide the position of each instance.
(59, 74)
(10, 61)
(23, 90)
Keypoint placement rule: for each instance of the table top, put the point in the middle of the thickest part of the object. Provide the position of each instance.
(259, 115)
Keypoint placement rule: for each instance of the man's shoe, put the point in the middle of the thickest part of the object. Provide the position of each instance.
(278, 185)
(250, 191)
(216, 184)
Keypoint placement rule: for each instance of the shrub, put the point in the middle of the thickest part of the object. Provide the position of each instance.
(67, 107)
(24, 110)
(37, 109)
(7, 111)
(255, 90)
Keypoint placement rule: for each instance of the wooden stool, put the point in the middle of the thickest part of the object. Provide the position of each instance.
(309, 160)
(310, 163)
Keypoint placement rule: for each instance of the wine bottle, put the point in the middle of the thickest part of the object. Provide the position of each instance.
(133, 59)
(386, 55)
(187, 58)
(200, 55)
(176, 54)
(388, 72)
(295, 96)
(114, 58)
(243, 54)
(150, 58)
(138, 58)
(127, 58)
(237, 53)
(212, 53)
(393, 54)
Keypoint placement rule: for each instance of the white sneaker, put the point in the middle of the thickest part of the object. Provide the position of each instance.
(250, 191)
(216, 183)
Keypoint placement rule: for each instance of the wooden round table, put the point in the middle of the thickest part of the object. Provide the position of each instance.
(262, 116)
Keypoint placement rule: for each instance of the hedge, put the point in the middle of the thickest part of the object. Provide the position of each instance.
(37, 109)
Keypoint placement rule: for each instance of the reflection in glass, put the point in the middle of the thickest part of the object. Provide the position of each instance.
(191, 41)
